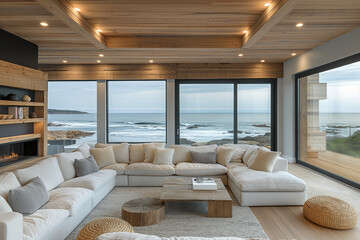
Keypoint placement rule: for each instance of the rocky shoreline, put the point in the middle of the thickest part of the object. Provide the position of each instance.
(67, 134)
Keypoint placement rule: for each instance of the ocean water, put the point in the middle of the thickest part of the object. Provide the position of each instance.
(151, 127)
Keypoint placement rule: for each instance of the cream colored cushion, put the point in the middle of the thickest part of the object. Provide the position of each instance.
(238, 153)
(71, 199)
(149, 149)
(42, 222)
(182, 152)
(4, 205)
(118, 167)
(84, 149)
(137, 153)
(164, 156)
(264, 160)
(149, 169)
(48, 170)
(93, 181)
(8, 181)
(249, 180)
(103, 156)
(224, 155)
(66, 163)
(199, 169)
(121, 151)
(254, 154)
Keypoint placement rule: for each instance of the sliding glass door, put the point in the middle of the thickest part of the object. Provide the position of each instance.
(228, 111)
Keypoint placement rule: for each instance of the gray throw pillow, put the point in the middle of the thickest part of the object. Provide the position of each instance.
(85, 166)
(203, 157)
(29, 198)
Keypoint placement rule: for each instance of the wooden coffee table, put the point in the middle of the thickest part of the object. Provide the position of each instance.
(180, 189)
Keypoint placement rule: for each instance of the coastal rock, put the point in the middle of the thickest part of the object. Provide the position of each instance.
(71, 134)
(232, 131)
(196, 126)
(50, 124)
(261, 125)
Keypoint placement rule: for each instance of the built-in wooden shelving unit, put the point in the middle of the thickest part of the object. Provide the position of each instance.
(19, 138)
(20, 121)
(19, 103)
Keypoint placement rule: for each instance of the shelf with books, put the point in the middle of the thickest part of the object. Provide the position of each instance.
(20, 103)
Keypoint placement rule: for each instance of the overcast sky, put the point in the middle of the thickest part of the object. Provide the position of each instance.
(343, 95)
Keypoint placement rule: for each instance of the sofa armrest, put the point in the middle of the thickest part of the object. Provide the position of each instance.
(281, 164)
(11, 226)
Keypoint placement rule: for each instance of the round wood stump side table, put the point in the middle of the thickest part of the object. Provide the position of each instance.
(143, 211)
(100, 226)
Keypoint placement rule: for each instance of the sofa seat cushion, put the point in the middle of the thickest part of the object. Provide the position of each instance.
(93, 181)
(234, 165)
(149, 169)
(249, 180)
(199, 169)
(118, 167)
(71, 199)
(42, 222)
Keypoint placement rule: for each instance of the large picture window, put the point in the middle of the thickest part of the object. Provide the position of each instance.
(71, 114)
(136, 111)
(329, 120)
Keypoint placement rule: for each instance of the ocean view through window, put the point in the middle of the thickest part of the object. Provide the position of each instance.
(71, 114)
(136, 111)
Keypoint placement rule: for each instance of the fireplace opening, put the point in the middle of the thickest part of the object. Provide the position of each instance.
(14, 152)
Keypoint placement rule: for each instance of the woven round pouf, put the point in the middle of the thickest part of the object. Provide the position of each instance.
(103, 225)
(330, 212)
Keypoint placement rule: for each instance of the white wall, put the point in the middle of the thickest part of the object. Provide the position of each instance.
(343, 46)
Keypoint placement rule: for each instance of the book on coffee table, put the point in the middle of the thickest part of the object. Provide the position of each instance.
(205, 184)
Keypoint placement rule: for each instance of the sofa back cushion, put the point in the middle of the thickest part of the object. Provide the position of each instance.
(163, 156)
(224, 155)
(121, 151)
(8, 181)
(29, 198)
(85, 166)
(84, 149)
(66, 163)
(4, 206)
(103, 156)
(137, 153)
(149, 149)
(48, 170)
(182, 154)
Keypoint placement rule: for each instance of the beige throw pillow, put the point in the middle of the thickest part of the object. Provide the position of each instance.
(149, 149)
(224, 155)
(137, 153)
(103, 156)
(264, 160)
(163, 156)
(121, 151)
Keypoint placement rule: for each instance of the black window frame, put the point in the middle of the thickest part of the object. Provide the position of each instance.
(326, 67)
(107, 106)
(235, 82)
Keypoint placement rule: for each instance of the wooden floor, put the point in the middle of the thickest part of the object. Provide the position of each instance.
(289, 222)
(340, 164)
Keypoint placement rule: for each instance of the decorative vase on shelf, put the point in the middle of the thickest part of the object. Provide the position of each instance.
(26, 98)
(33, 115)
(12, 97)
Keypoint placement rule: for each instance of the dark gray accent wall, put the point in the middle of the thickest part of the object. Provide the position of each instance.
(17, 50)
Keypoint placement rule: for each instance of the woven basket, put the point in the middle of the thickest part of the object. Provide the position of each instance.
(330, 212)
(103, 225)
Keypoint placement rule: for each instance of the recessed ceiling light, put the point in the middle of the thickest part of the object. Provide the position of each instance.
(299, 24)
(77, 9)
(98, 61)
(151, 61)
(262, 60)
(267, 4)
(293, 54)
(240, 55)
(99, 30)
(64, 61)
(245, 31)
(101, 55)
(44, 24)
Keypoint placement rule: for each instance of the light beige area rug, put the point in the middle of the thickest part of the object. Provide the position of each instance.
(181, 218)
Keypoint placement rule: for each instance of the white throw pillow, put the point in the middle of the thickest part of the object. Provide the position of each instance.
(164, 156)
(137, 153)
(149, 150)
(84, 149)
(253, 155)
(121, 151)
(224, 155)
(8, 181)
(264, 160)
(48, 170)
(249, 152)
(67, 164)
(4, 205)
(103, 156)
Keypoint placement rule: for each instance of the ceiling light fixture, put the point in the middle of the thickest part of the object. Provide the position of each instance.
(240, 55)
(98, 61)
(262, 61)
(151, 61)
(299, 25)
(64, 61)
(267, 4)
(245, 31)
(293, 54)
(77, 9)
(101, 55)
(99, 30)
(44, 24)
